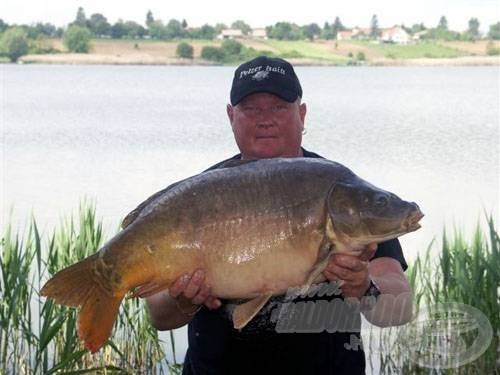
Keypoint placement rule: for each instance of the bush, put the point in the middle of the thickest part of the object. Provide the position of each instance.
(491, 50)
(14, 43)
(185, 50)
(77, 39)
(212, 54)
(360, 56)
(231, 48)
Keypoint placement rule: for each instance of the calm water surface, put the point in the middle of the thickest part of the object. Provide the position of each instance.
(117, 134)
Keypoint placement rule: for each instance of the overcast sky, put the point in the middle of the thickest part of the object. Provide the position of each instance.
(259, 13)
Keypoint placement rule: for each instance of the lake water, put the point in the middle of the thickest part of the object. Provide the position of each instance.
(117, 134)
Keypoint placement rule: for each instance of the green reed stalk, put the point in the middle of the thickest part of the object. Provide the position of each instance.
(38, 336)
(464, 271)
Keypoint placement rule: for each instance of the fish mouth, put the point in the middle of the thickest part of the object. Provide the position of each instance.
(412, 221)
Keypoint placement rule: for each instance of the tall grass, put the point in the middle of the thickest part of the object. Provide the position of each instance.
(464, 271)
(37, 336)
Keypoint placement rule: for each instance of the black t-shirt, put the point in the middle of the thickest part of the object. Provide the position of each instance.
(215, 347)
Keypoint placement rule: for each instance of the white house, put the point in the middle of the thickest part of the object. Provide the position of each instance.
(231, 34)
(259, 33)
(395, 34)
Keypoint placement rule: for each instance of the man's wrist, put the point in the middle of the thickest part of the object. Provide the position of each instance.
(369, 299)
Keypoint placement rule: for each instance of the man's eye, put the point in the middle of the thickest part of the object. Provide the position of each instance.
(279, 108)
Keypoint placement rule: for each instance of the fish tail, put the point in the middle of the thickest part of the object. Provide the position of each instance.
(76, 286)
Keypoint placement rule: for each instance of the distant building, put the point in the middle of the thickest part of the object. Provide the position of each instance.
(344, 35)
(260, 33)
(419, 35)
(395, 34)
(356, 33)
(231, 34)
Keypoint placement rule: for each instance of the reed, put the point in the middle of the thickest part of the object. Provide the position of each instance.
(39, 337)
(462, 270)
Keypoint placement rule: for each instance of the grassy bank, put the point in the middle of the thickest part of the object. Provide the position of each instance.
(37, 336)
(320, 52)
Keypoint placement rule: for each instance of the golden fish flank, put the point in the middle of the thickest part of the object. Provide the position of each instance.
(256, 229)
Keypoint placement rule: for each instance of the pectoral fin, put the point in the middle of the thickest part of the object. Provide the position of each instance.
(243, 313)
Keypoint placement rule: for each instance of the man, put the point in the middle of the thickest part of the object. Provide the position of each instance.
(267, 118)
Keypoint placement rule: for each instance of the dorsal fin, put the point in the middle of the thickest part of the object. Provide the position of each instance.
(130, 218)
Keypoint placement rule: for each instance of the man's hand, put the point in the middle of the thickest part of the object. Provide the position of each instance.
(352, 270)
(192, 289)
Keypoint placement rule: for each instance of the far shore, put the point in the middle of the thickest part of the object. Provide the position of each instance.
(143, 59)
(301, 53)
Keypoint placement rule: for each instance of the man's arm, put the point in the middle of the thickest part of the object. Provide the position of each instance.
(175, 308)
(394, 306)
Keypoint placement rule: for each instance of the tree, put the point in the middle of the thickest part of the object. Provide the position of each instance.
(3, 26)
(310, 31)
(133, 30)
(205, 32)
(14, 43)
(99, 25)
(184, 24)
(417, 27)
(118, 30)
(284, 31)
(149, 18)
(443, 23)
(157, 30)
(77, 39)
(336, 27)
(241, 25)
(174, 29)
(185, 50)
(473, 30)
(327, 32)
(80, 19)
(374, 30)
(219, 27)
(494, 32)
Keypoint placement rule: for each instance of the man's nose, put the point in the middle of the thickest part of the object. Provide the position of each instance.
(266, 116)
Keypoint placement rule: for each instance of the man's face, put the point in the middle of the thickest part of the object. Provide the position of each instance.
(266, 126)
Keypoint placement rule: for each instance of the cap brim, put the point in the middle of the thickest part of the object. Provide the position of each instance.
(287, 95)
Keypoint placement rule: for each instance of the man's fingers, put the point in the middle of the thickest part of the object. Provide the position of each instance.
(213, 302)
(369, 252)
(194, 285)
(179, 285)
(202, 295)
(349, 262)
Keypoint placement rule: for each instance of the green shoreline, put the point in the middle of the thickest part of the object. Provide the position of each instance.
(81, 59)
(300, 53)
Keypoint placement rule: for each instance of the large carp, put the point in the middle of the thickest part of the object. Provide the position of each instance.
(255, 228)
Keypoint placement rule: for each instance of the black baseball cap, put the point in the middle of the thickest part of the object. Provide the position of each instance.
(265, 74)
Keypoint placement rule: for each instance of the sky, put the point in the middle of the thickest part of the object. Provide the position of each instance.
(260, 13)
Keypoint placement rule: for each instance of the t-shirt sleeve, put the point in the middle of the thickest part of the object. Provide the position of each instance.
(392, 249)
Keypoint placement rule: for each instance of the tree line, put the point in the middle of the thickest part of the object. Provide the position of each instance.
(16, 41)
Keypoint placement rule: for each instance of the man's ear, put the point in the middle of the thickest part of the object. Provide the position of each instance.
(230, 111)
(303, 111)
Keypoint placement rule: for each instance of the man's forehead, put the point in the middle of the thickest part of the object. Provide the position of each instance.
(262, 96)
